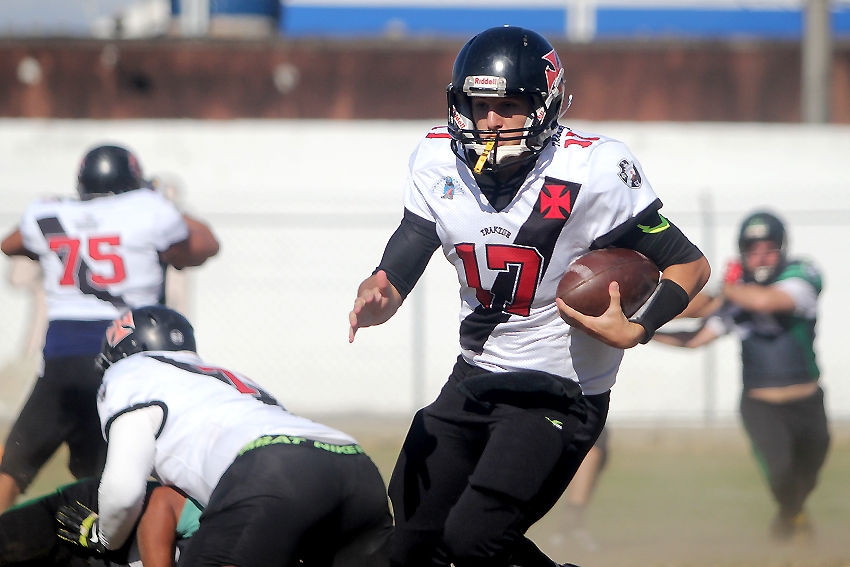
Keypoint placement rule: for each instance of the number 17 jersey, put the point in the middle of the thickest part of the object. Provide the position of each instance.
(509, 262)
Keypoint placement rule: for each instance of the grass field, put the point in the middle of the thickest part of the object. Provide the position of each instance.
(670, 497)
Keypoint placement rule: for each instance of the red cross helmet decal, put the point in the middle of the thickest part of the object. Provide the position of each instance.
(554, 72)
(135, 168)
(121, 328)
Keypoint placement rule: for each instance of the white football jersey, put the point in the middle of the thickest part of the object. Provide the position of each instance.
(101, 256)
(509, 262)
(210, 414)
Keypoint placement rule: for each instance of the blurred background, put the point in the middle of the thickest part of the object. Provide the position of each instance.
(288, 125)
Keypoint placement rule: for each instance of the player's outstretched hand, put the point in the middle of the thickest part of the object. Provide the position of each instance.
(612, 327)
(80, 526)
(377, 301)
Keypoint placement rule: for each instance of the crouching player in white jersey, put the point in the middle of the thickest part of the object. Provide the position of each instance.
(99, 255)
(276, 488)
(512, 198)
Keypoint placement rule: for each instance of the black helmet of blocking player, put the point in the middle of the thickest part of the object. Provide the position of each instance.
(762, 227)
(154, 327)
(499, 62)
(108, 170)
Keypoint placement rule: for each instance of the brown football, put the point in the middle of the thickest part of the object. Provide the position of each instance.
(585, 285)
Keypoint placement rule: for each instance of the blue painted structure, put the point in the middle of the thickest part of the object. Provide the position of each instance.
(268, 8)
(611, 23)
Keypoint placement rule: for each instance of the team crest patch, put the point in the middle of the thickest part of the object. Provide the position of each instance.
(121, 328)
(447, 187)
(629, 174)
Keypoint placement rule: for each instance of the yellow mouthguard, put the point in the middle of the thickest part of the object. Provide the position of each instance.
(479, 165)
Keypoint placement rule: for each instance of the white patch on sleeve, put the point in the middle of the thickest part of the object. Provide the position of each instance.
(717, 325)
(804, 295)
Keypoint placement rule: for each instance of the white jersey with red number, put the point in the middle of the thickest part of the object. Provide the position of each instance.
(101, 256)
(210, 414)
(509, 262)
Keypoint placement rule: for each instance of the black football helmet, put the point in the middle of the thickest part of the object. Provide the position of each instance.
(154, 327)
(498, 62)
(757, 227)
(108, 170)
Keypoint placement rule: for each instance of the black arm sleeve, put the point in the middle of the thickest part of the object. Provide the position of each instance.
(408, 252)
(668, 300)
(655, 237)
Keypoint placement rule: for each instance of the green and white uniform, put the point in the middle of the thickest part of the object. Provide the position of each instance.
(791, 439)
(777, 349)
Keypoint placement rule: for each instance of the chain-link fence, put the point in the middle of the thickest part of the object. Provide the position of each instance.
(274, 303)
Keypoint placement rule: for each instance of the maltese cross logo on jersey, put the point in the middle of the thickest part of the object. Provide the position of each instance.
(121, 328)
(557, 198)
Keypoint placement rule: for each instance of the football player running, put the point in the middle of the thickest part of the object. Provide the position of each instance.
(100, 255)
(770, 302)
(512, 198)
(277, 489)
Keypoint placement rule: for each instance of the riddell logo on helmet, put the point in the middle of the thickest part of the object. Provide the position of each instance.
(478, 83)
(120, 329)
(457, 118)
(485, 81)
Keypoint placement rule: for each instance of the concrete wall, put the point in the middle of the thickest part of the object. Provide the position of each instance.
(304, 208)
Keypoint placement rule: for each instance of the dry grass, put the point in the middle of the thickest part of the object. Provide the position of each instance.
(677, 497)
(670, 497)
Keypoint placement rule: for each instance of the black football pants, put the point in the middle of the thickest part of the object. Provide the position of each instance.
(294, 505)
(468, 484)
(790, 442)
(62, 408)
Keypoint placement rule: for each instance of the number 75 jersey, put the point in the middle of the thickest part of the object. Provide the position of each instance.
(101, 256)
(582, 189)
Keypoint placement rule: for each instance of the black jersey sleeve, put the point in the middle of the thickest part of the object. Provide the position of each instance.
(653, 236)
(408, 252)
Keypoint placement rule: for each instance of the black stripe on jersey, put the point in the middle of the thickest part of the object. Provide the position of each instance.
(476, 327)
(83, 282)
(162, 299)
(540, 231)
(617, 232)
(551, 212)
(134, 407)
(50, 226)
(218, 374)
